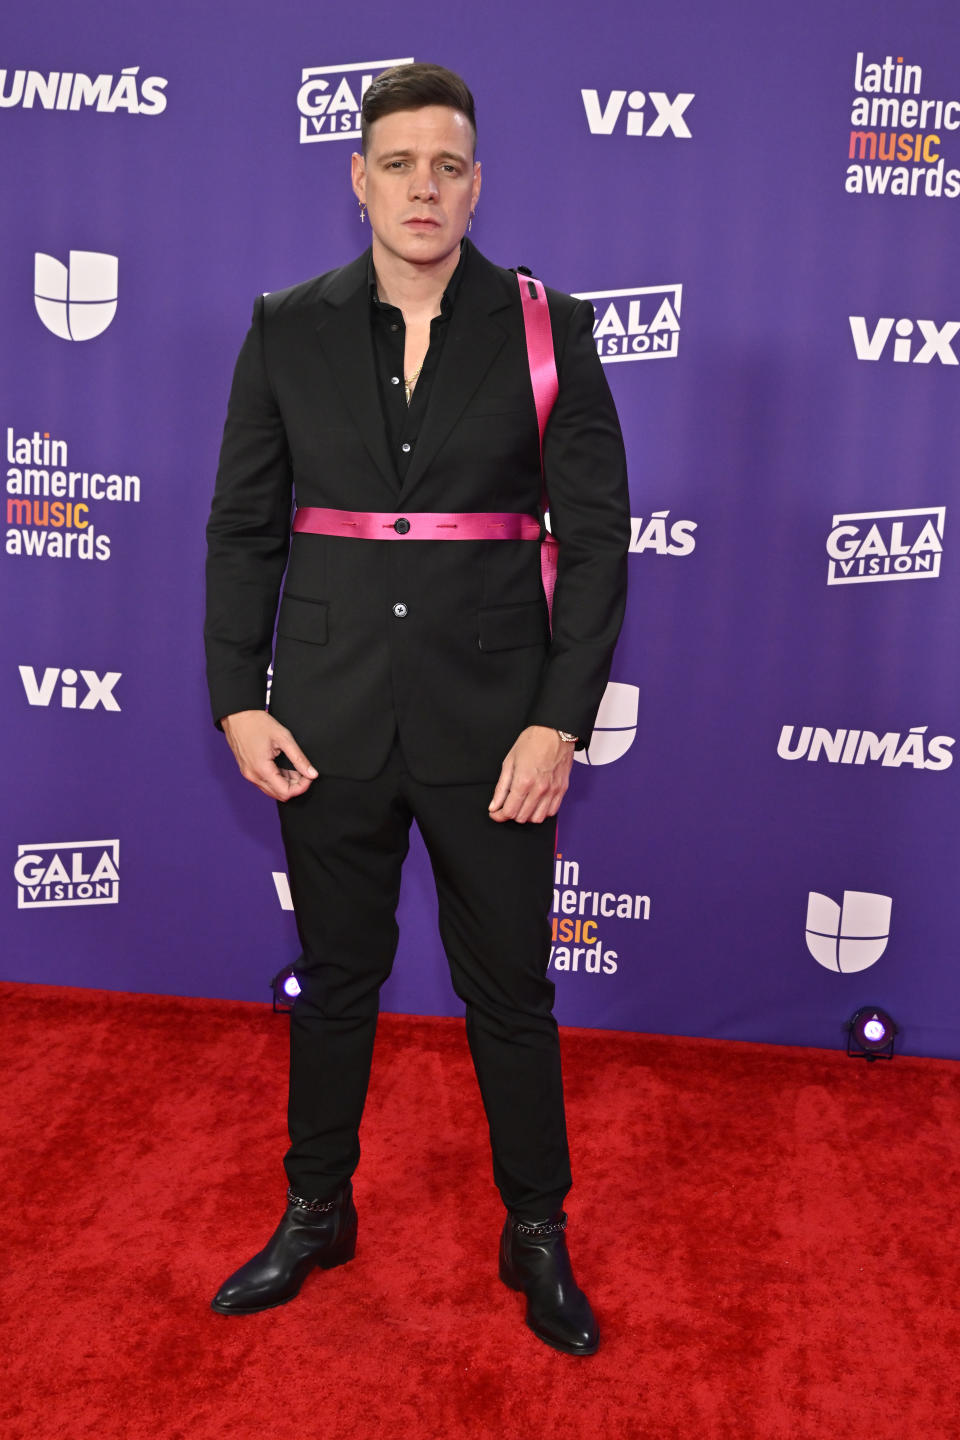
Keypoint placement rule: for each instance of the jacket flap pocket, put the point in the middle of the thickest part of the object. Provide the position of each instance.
(303, 620)
(508, 627)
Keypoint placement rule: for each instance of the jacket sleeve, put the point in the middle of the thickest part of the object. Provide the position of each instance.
(586, 480)
(248, 535)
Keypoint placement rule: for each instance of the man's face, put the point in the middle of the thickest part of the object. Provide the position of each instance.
(418, 181)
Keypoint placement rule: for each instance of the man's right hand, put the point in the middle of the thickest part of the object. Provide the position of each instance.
(256, 740)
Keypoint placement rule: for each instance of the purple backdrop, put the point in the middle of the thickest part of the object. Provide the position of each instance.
(762, 202)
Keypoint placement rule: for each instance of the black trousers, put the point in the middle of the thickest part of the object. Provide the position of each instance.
(345, 842)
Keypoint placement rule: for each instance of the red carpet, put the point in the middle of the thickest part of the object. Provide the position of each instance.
(769, 1237)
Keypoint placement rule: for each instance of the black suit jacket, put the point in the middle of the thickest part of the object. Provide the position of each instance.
(471, 662)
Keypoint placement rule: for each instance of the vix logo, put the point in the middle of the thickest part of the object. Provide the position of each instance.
(99, 688)
(667, 120)
(616, 727)
(330, 97)
(78, 300)
(937, 340)
(850, 937)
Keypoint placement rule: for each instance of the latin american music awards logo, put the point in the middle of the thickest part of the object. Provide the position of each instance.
(76, 301)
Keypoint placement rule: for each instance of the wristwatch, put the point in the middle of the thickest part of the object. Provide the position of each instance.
(570, 739)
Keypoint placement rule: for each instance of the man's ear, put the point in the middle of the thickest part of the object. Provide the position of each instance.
(358, 175)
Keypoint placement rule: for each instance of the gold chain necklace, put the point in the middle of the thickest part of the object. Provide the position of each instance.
(411, 380)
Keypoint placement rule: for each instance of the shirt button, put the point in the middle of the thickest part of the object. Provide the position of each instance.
(394, 326)
(400, 610)
(394, 379)
(405, 447)
(401, 526)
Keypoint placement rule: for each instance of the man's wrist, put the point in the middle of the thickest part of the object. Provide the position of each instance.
(567, 738)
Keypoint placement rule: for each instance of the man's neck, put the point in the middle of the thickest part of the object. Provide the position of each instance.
(414, 289)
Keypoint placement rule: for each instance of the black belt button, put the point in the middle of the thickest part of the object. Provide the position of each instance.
(401, 526)
(399, 609)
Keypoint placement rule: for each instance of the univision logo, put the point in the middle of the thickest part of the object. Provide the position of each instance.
(849, 937)
(78, 300)
(616, 727)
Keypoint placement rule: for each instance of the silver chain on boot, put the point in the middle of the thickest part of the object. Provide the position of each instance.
(541, 1231)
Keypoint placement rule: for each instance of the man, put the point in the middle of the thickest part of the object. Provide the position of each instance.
(416, 678)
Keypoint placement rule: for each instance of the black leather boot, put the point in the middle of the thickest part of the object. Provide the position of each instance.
(534, 1259)
(310, 1233)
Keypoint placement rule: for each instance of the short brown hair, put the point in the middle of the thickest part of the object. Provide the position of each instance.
(411, 87)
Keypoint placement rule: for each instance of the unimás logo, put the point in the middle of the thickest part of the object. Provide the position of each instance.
(616, 727)
(893, 125)
(49, 504)
(874, 545)
(858, 747)
(69, 90)
(75, 872)
(638, 324)
(849, 937)
(917, 342)
(627, 111)
(330, 97)
(76, 301)
(41, 688)
(675, 538)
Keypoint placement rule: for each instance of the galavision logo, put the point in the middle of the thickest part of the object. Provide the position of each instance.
(654, 534)
(937, 340)
(98, 688)
(850, 937)
(330, 97)
(577, 920)
(79, 872)
(76, 301)
(667, 117)
(874, 545)
(616, 726)
(67, 90)
(857, 747)
(638, 324)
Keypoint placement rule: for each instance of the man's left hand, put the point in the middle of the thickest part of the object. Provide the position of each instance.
(534, 776)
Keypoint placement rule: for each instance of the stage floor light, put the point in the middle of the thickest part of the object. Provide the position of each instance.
(871, 1034)
(285, 987)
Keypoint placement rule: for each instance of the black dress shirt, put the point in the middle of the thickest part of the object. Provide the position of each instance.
(404, 422)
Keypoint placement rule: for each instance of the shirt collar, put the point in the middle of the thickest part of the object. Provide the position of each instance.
(449, 295)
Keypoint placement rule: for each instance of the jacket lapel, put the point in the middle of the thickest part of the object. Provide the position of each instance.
(475, 338)
(343, 331)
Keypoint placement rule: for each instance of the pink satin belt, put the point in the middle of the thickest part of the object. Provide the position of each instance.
(417, 525)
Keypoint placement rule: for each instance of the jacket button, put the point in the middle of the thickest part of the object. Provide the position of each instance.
(400, 610)
(401, 526)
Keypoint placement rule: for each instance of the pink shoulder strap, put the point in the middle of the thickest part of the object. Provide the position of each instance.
(543, 378)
